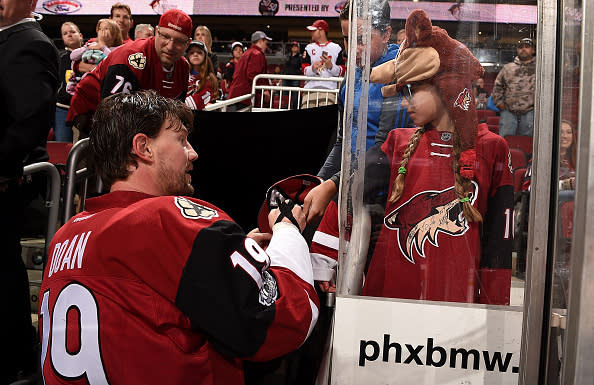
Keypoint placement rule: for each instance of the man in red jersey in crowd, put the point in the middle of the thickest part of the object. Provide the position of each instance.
(156, 63)
(151, 287)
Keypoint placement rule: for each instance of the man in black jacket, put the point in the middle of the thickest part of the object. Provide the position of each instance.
(293, 67)
(28, 86)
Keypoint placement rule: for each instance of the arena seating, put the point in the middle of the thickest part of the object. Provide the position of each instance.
(483, 114)
(522, 142)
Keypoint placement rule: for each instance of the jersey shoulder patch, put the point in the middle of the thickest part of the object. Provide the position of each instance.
(192, 210)
(137, 60)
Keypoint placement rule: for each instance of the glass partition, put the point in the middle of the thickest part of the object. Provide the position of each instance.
(430, 278)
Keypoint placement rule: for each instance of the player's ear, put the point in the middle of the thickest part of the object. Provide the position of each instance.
(141, 147)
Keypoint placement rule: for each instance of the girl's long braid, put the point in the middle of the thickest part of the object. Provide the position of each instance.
(463, 185)
(398, 186)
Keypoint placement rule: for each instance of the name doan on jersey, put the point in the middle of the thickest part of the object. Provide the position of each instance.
(69, 254)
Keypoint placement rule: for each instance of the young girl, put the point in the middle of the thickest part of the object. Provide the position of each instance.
(203, 85)
(202, 33)
(109, 36)
(446, 228)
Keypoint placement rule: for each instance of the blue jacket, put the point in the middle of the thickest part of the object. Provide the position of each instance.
(383, 114)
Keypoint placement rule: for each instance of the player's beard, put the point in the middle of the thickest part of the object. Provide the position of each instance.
(174, 182)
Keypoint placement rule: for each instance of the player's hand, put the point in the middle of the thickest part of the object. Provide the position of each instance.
(262, 239)
(501, 106)
(297, 212)
(317, 200)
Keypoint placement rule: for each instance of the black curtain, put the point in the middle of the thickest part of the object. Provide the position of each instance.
(241, 154)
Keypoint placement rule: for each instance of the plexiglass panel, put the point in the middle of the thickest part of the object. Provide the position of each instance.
(436, 146)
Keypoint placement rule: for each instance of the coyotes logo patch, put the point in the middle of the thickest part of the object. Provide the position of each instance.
(463, 100)
(193, 210)
(424, 216)
(137, 60)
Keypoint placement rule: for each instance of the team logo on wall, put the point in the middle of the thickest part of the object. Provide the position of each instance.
(424, 216)
(137, 60)
(193, 210)
(268, 7)
(463, 100)
(61, 7)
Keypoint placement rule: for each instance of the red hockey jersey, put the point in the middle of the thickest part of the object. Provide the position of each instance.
(198, 99)
(131, 67)
(168, 290)
(426, 249)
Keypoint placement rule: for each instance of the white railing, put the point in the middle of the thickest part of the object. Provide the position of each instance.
(324, 96)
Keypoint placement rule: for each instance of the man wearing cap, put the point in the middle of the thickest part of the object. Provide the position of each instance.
(513, 92)
(293, 67)
(156, 63)
(252, 62)
(322, 58)
(236, 52)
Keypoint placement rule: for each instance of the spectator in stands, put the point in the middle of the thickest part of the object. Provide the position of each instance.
(480, 94)
(383, 114)
(322, 58)
(568, 150)
(293, 67)
(203, 86)
(182, 295)
(236, 52)
(109, 36)
(143, 31)
(72, 39)
(28, 87)
(513, 92)
(124, 70)
(253, 62)
(202, 33)
(400, 36)
(122, 15)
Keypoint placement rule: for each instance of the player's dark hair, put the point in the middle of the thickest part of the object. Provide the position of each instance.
(380, 10)
(122, 116)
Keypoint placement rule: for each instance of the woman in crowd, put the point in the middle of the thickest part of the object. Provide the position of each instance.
(202, 33)
(87, 57)
(72, 39)
(203, 85)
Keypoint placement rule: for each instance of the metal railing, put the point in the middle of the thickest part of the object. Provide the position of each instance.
(322, 96)
(53, 203)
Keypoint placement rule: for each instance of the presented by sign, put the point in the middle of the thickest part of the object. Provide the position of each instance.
(444, 11)
(387, 341)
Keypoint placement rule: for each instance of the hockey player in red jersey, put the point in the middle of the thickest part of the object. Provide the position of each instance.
(148, 286)
(156, 64)
(446, 230)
